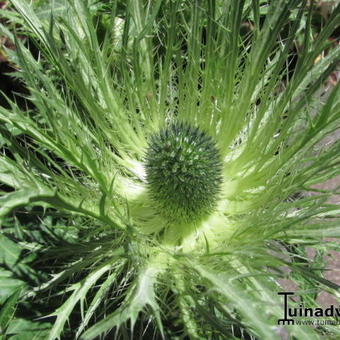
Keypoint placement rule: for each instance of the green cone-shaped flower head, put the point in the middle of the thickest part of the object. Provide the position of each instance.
(184, 172)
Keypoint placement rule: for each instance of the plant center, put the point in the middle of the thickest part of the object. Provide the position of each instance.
(183, 172)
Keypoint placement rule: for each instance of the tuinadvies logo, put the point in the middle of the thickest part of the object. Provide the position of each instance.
(290, 314)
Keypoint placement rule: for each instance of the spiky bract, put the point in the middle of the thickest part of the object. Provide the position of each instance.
(184, 172)
(94, 255)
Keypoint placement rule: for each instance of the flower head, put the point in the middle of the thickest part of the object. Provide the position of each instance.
(183, 172)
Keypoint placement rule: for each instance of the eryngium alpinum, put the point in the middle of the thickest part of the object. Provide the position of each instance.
(173, 147)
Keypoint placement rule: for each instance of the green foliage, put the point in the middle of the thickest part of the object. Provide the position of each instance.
(7, 311)
(81, 238)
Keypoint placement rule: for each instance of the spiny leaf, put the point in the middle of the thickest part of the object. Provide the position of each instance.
(7, 311)
(79, 293)
(140, 295)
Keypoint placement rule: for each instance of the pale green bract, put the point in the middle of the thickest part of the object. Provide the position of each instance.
(105, 79)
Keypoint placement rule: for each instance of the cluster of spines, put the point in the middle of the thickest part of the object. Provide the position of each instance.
(183, 172)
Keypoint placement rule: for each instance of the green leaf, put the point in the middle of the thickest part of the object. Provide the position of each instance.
(44, 9)
(98, 299)
(140, 295)
(9, 251)
(27, 196)
(79, 293)
(247, 299)
(18, 198)
(7, 311)
(8, 285)
(21, 329)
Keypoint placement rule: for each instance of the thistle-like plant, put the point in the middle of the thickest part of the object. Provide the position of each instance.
(173, 154)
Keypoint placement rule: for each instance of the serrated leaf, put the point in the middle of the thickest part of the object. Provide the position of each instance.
(246, 300)
(97, 300)
(140, 295)
(79, 293)
(9, 251)
(45, 9)
(7, 310)
(8, 285)
(21, 329)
